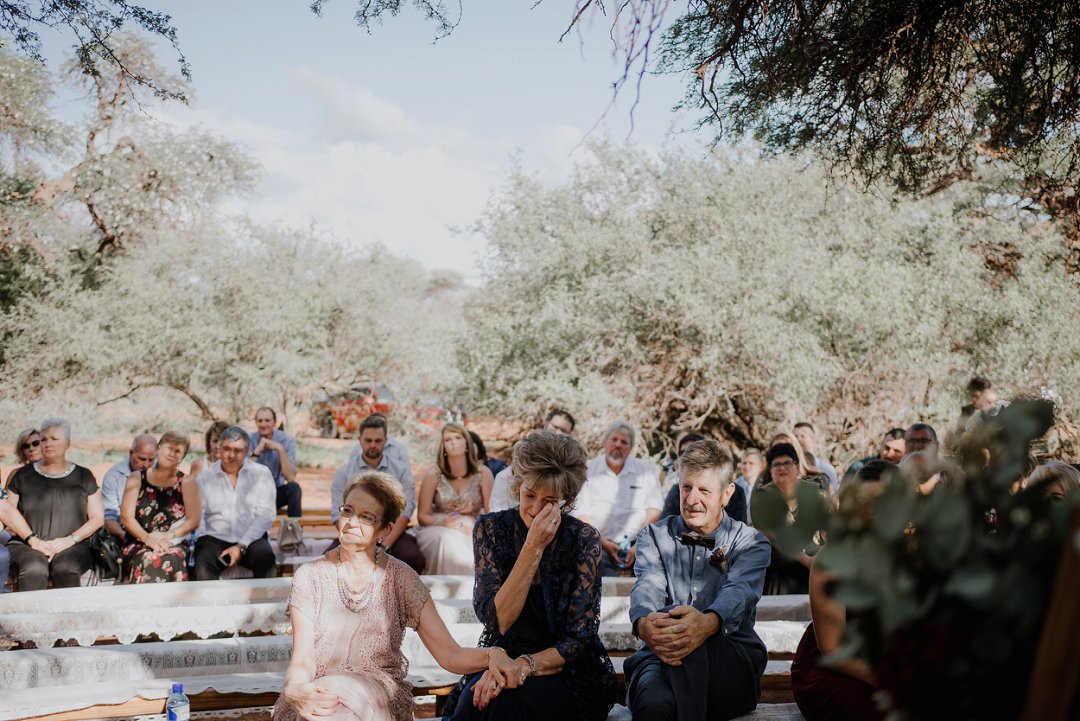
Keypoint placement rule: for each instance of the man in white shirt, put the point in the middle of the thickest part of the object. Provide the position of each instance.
(238, 498)
(620, 497)
(558, 421)
(140, 457)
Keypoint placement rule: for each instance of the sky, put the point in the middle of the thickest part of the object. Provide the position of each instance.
(395, 138)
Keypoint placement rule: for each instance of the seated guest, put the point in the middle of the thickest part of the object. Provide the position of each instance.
(237, 498)
(140, 457)
(276, 449)
(786, 574)
(699, 579)
(210, 441)
(751, 469)
(892, 450)
(806, 437)
(558, 420)
(160, 508)
(495, 465)
(839, 691)
(5, 555)
(537, 592)
(807, 470)
(349, 610)
(375, 456)
(670, 474)
(621, 497)
(921, 437)
(57, 507)
(27, 450)
(453, 493)
(1056, 479)
(672, 505)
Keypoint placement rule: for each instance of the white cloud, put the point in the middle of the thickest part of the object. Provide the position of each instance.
(372, 172)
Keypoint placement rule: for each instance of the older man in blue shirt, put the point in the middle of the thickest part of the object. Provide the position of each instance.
(699, 578)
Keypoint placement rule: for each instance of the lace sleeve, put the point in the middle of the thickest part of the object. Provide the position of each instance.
(488, 577)
(304, 594)
(583, 618)
(414, 594)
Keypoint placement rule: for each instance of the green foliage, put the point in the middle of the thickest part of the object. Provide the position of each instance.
(734, 296)
(95, 25)
(946, 592)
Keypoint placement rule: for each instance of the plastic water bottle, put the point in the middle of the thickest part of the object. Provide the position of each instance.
(624, 549)
(177, 706)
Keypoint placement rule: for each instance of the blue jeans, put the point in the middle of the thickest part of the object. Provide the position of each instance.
(5, 559)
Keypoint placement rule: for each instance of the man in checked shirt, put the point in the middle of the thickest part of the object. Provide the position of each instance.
(699, 578)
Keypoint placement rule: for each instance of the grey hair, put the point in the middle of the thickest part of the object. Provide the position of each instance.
(235, 433)
(1052, 471)
(56, 423)
(623, 427)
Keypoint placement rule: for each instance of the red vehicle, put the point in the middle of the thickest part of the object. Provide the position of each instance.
(339, 415)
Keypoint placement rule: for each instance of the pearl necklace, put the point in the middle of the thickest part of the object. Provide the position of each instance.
(359, 600)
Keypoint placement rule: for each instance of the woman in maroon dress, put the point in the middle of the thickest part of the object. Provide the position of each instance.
(843, 691)
(160, 508)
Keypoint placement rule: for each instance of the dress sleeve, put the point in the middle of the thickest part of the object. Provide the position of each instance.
(487, 577)
(414, 594)
(583, 618)
(304, 596)
(89, 483)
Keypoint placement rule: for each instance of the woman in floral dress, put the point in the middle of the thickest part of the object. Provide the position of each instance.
(160, 508)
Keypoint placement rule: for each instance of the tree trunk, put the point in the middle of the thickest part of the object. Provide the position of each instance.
(204, 409)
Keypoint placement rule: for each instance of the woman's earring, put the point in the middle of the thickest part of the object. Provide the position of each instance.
(380, 549)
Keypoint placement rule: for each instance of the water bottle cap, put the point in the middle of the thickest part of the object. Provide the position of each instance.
(178, 688)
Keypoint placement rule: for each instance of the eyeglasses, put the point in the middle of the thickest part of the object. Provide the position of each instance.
(349, 513)
(29, 444)
(782, 464)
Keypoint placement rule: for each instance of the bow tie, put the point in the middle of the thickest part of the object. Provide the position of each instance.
(696, 539)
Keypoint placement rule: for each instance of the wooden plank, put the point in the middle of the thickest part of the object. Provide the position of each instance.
(1055, 675)
(205, 701)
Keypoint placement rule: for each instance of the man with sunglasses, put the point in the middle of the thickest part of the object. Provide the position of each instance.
(140, 457)
(700, 575)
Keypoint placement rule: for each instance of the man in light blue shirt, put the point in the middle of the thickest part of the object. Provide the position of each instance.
(276, 449)
(141, 457)
(700, 575)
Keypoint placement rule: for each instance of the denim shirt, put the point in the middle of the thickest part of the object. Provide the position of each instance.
(270, 458)
(671, 574)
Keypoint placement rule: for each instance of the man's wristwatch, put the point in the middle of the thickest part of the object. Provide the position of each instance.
(242, 547)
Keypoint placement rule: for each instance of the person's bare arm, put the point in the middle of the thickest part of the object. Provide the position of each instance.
(428, 480)
(829, 619)
(486, 482)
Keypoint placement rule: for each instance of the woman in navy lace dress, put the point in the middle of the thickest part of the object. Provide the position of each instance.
(537, 593)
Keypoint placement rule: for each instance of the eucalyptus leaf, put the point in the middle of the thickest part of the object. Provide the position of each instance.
(894, 508)
(856, 596)
(768, 509)
(973, 583)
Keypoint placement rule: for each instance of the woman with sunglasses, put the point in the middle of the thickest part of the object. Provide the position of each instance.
(349, 610)
(27, 450)
(57, 507)
(537, 592)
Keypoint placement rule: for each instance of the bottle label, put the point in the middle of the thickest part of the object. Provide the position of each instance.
(179, 713)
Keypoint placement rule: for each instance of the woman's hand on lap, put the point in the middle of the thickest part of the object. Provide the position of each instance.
(486, 689)
(504, 669)
(310, 701)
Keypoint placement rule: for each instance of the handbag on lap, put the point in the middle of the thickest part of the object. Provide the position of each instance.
(106, 554)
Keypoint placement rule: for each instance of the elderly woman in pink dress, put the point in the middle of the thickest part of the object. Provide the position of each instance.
(349, 610)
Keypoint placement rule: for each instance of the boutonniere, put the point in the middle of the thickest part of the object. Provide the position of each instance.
(718, 559)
